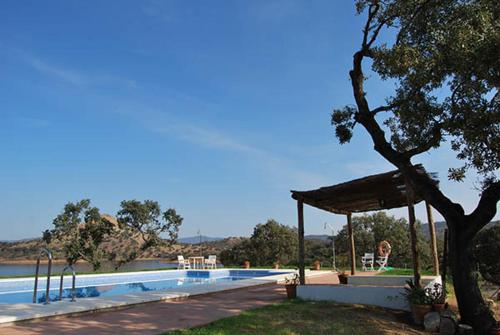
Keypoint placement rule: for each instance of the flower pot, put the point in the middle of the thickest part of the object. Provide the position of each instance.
(276, 266)
(246, 265)
(343, 278)
(317, 265)
(438, 307)
(418, 312)
(291, 291)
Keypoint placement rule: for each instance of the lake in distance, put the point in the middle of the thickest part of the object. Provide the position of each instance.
(23, 269)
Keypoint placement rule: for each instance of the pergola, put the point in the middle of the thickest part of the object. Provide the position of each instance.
(372, 193)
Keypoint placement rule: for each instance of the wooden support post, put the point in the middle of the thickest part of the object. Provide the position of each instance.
(352, 248)
(413, 234)
(300, 211)
(432, 232)
(444, 266)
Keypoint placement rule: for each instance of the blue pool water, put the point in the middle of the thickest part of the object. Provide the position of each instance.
(21, 290)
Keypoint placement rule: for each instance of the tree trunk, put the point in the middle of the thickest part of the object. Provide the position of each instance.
(473, 309)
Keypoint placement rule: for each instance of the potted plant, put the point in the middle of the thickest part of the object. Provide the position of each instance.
(317, 265)
(343, 277)
(291, 286)
(437, 296)
(420, 302)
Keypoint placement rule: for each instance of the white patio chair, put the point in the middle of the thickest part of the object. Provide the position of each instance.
(211, 262)
(382, 262)
(183, 264)
(367, 260)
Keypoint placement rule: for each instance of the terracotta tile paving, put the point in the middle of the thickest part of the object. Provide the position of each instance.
(157, 317)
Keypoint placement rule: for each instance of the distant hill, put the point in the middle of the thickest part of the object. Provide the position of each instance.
(440, 227)
(27, 249)
(196, 239)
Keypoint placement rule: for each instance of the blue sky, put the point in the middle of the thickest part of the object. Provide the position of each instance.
(215, 108)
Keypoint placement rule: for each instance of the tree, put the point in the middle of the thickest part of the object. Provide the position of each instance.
(445, 63)
(141, 227)
(81, 230)
(270, 243)
(486, 251)
(273, 242)
(237, 254)
(369, 230)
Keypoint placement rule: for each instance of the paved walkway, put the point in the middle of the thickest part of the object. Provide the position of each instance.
(157, 317)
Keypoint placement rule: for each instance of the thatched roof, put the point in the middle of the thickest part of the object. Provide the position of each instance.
(371, 193)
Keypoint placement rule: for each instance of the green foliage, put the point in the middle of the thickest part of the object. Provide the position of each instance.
(236, 254)
(486, 251)
(84, 234)
(141, 227)
(445, 63)
(415, 294)
(81, 230)
(317, 250)
(270, 243)
(369, 230)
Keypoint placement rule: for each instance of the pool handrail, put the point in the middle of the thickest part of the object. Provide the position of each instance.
(73, 290)
(47, 290)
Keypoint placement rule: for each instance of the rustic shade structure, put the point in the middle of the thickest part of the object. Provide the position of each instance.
(372, 193)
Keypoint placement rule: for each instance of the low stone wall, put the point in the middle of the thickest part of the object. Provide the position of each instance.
(383, 291)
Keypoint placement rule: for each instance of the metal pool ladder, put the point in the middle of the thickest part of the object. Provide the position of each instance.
(49, 257)
(73, 291)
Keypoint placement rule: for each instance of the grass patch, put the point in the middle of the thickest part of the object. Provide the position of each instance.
(308, 318)
(403, 272)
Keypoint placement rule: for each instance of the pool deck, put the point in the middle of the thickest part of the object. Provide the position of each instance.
(157, 317)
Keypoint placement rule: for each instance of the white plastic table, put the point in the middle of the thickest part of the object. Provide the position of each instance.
(195, 260)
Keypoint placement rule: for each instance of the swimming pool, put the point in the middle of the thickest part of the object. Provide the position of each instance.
(15, 291)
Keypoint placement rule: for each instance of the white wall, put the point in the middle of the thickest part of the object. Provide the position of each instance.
(389, 280)
(383, 295)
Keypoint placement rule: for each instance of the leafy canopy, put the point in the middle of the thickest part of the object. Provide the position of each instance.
(142, 225)
(486, 251)
(445, 62)
(81, 230)
(370, 230)
(270, 243)
(83, 233)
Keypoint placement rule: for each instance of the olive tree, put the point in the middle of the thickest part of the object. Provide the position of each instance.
(80, 231)
(270, 243)
(445, 63)
(142, 226)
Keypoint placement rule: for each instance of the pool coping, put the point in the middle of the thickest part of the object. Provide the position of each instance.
(25, 311)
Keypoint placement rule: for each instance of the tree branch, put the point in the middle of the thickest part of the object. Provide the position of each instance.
(372, 11)
(377, 31)
(383, 109)
(422, 184)
(432, 142)
(486, 209)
